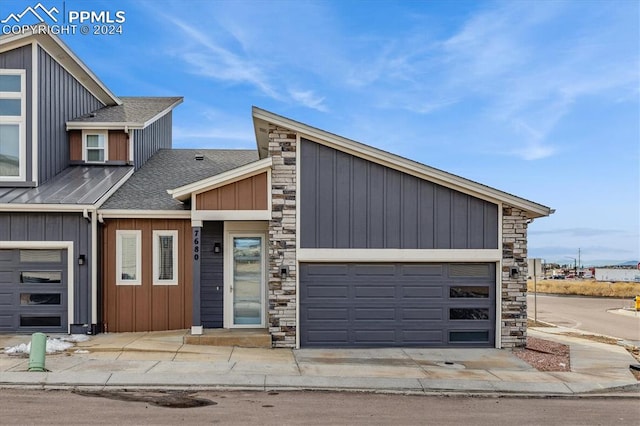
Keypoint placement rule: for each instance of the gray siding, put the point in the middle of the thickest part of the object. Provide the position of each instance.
(348, 202)
(57, 227)
(20, 58)
(149, 140)
(61, 98)
(211, 276)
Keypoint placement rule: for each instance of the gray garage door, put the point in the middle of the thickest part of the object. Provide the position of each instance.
(33, 290)
(397, 304)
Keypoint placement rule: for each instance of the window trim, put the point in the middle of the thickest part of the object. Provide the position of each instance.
(156, 252)
(20, 120)
(85, 148)
(119, 234)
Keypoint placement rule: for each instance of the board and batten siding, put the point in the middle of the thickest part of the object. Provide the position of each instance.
(118, 145)
(20, 59)
(212, 275)
(52, 226)
(152, 138)
(349, 202)
(147, 307)
(61, 98)
(245, 194)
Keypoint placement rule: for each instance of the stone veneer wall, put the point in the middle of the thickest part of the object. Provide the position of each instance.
(282, 238)
(514, 290)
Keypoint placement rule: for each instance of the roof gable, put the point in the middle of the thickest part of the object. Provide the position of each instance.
(262, 118)
(58, 50)
(134, 112)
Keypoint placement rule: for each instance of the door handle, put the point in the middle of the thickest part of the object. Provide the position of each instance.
(230, 289)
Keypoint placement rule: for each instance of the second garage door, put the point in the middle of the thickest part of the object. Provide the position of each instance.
(397, 305)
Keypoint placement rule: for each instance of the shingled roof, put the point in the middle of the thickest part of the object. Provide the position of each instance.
(172, 168)
(134, 112)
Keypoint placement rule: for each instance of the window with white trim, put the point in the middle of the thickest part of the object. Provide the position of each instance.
(128, 257)
(13, 125)
(165, 257)
(95, 146)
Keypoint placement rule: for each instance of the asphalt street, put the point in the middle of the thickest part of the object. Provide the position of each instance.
(593, 314)
(21, 406)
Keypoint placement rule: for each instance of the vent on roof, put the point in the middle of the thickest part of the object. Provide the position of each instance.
(199, 157)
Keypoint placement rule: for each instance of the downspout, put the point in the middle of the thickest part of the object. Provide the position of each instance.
(94, 270)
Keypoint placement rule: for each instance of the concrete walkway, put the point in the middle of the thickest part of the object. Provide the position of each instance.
(160, 359)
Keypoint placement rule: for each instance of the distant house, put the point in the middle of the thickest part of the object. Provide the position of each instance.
(318, 239)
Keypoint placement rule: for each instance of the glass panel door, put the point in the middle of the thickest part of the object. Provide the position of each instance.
(247, 287)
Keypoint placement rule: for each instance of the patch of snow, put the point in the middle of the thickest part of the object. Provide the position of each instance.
(81, 351)
(22, 348)
(75, 338)
(56, 344)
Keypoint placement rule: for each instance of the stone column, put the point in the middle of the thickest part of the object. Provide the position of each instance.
(282, 238)
(514, 286)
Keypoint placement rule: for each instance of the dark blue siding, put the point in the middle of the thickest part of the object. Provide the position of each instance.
(211, 276)
(149, 140)
(20, 59)
(348, 202)
(57, 227)
(61, 98)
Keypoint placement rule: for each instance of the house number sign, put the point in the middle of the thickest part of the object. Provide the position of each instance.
(196, 244)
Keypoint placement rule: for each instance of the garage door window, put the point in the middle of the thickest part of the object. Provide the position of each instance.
(40, 256)
(39, 298)
(469, 336)
(469, 313)
(41, 277)
(472, 292)
(40, 321)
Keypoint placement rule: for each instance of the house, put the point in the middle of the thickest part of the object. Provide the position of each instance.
(66, 143)
(318, 240)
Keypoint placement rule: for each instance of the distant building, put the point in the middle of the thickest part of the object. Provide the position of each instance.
(614, 275)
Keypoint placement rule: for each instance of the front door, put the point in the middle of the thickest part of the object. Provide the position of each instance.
(246, 281)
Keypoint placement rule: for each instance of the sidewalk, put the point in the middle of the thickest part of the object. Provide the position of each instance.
(160, 359)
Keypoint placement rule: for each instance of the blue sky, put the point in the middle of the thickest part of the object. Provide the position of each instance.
(535, 98)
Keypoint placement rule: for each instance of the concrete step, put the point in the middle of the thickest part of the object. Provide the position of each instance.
(246, 338)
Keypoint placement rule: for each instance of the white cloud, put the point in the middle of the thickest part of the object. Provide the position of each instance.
(309, 99)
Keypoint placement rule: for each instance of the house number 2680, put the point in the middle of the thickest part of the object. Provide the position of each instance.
(196, 244)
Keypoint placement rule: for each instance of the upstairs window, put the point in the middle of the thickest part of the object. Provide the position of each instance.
(94, 144)
(12, 125)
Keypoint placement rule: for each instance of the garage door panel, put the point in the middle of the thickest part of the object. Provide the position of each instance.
(421, 337)
(372, 291)
(375, 271)
(416, 292)
(421, 271)
(328, 291)
(324, 271)
(376, 314)
(328, 336)
(403, 305)
(327, 314)
(364, 336)
(422, 314)
(7, 299)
